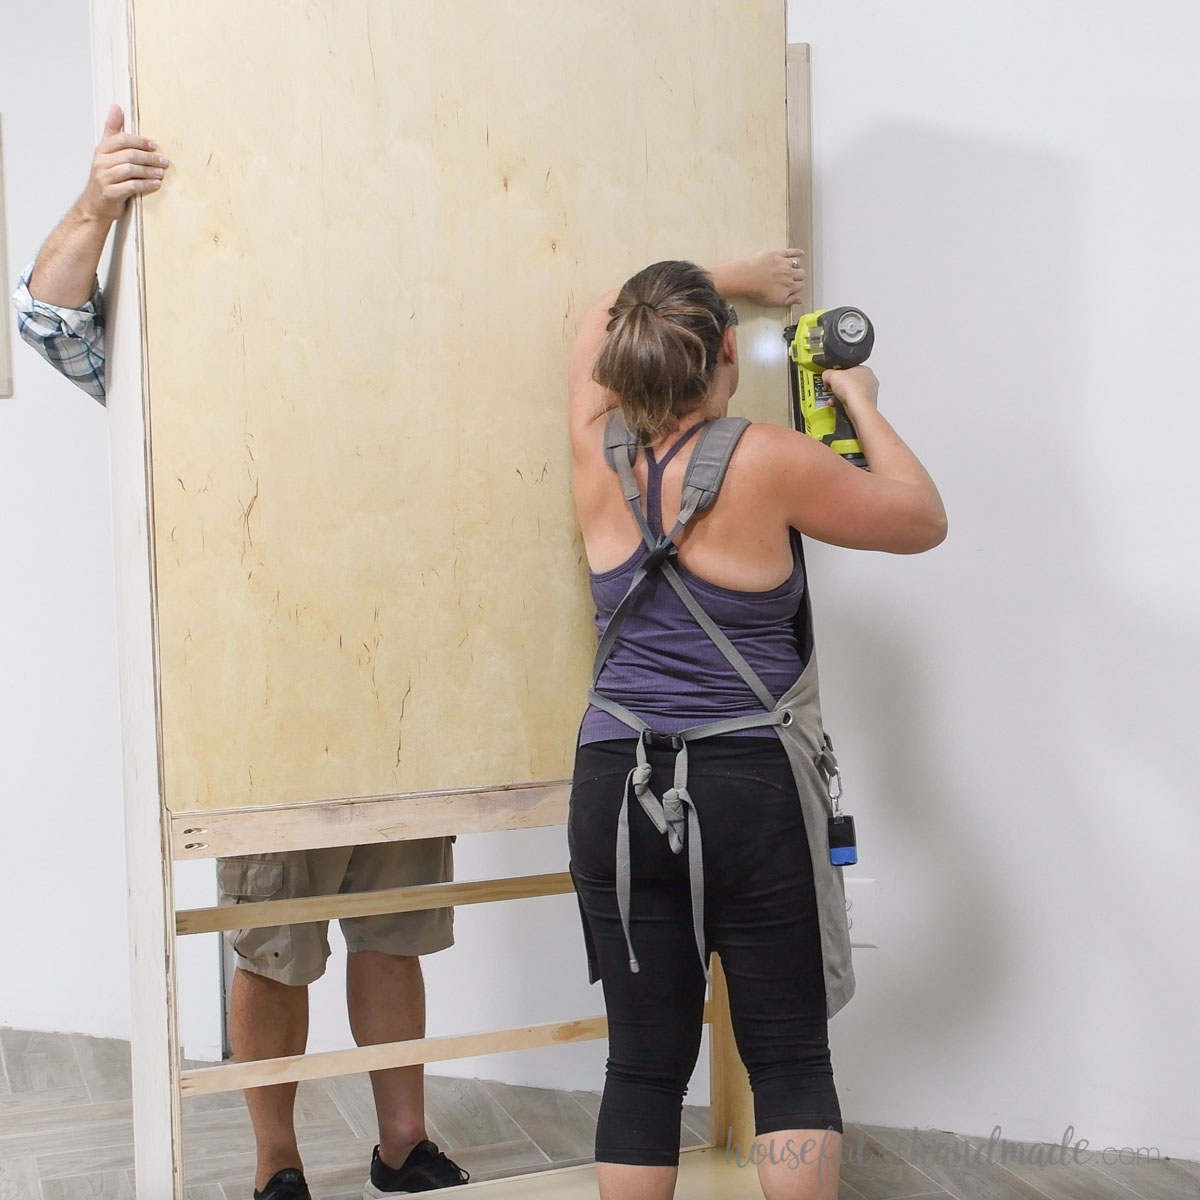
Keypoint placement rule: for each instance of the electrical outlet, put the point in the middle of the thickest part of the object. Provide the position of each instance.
(862, 912)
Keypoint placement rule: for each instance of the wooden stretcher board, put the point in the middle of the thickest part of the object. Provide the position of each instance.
(360, 282)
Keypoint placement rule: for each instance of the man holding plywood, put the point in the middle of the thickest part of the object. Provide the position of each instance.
(60, 314)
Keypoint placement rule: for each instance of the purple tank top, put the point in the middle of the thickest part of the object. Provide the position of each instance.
(663, 666)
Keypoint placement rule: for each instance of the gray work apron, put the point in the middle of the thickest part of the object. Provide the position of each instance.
(796, 718)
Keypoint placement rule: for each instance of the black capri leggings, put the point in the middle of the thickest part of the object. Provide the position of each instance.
(760, 917)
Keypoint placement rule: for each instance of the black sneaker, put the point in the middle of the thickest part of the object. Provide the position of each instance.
(426, 1169)
(287, 1184)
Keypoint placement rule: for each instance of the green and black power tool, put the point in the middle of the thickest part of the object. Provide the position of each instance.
(833, 337)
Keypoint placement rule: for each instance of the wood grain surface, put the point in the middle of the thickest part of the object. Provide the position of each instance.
(382, 223)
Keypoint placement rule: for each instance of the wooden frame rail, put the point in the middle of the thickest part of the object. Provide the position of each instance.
(230, 1077)
(413, 898)
(220, 833)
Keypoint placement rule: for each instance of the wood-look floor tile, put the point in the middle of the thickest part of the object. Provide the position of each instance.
(107, 1185)
(500, 1159)
(1191, 1168)
(345, 1158)
(212, 1191)
(213, 1134)
(16, 1102)
(590, 1101)
(356, 1102)
(879, 1169)
(93, 1160)
(1039, 1167)
(213, 1101)
(233, 1173)
(226, 1112)
(37, 1062)
(698, 1121)
(466, 1114)
(964, 1167)
(232, 1164)
(1150, 1179)
(105, 1066)
(554, 1121)
(335, 1178)
(58, 1130)
(315, 1114)
(19, 1179)
(315, 1106)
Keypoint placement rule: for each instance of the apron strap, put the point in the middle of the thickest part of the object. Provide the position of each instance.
(674, 814)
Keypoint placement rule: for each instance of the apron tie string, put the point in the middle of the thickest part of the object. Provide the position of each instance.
(676, 817)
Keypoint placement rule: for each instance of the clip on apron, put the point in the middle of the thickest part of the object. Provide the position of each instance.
(843, 848)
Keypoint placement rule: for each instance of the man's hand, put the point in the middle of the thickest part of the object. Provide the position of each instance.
(124, 165)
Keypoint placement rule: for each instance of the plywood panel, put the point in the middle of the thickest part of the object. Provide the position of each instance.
(362, 276)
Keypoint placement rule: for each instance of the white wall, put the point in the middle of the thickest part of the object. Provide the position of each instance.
(1011, 191)
(62, 941)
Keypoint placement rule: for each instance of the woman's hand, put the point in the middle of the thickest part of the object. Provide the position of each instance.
(856, 387)
(770, 278)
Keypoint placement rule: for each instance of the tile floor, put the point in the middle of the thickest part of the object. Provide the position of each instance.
(66, 1134)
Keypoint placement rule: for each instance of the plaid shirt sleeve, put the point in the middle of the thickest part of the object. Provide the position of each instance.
(70, 339)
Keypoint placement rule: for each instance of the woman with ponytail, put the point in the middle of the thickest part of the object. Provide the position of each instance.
(705, 696)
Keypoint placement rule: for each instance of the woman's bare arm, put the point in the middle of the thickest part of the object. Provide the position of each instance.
(894, 507)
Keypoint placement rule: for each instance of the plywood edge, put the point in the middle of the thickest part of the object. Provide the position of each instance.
(157, 1107)
(356, 822)
(800, 188)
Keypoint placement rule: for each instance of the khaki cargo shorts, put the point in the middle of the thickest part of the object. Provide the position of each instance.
(296, 954)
